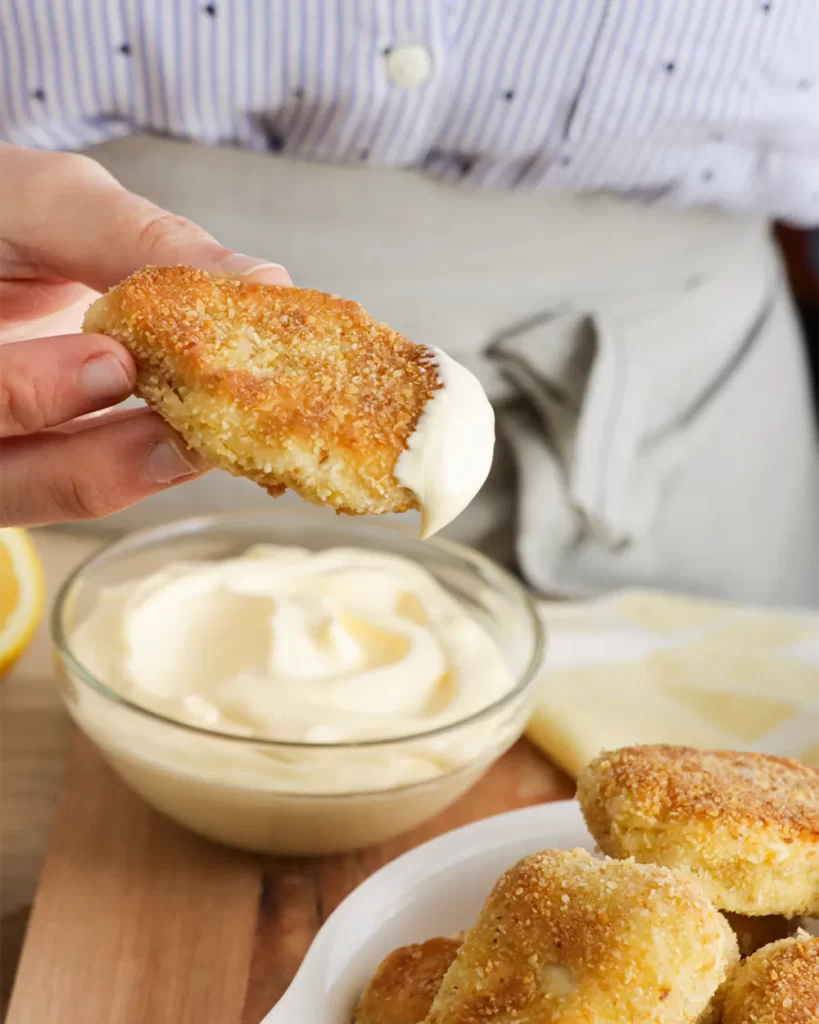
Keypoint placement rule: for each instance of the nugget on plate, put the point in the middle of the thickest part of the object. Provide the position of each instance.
(755, 932)
(402, 989)
(745, 826)
(298, 389)
(779, 984)
(567, 938)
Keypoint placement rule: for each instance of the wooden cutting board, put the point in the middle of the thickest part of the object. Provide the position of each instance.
(138, 922)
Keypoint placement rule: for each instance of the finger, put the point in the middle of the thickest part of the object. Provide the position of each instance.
(47, 381)
(100, 419)
(68, 308)
(61, 477)
(28, 299)
(86, 227)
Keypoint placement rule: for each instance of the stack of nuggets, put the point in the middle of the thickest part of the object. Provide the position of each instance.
(567, 938)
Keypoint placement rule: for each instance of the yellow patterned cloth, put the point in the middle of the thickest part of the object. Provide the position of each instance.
(645, 667)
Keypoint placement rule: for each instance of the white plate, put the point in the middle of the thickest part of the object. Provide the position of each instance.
(436, 889)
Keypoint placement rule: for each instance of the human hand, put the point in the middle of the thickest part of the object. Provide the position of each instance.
(69, 230)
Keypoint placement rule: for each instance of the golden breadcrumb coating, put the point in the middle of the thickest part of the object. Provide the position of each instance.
(567, 938)
(289, 387)
(745, 826)
(402, 989)
(755, 932)
(777, 985)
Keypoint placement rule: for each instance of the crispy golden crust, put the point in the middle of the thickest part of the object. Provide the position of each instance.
(567, 938)
(289, 387)
(777, 985)
(402, 989)
(745, 826)
(755, 932)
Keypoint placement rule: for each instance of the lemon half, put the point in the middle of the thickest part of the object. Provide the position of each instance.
(22, 594)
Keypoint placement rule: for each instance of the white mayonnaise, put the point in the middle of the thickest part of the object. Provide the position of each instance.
(449, 454)
(285, 644)
(282, 646)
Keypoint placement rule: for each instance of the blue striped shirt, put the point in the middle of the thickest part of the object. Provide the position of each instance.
(684, 101)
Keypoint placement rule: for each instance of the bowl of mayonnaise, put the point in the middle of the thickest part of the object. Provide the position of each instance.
(295, 682)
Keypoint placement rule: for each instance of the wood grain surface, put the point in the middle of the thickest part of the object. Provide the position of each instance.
(138, 922)
(134, 919)
(35, 742)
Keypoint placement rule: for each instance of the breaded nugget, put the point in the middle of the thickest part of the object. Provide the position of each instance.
(402, 989)
(745, 826)
(297, 389)
(777, 985)
(567, 938)
(755, 932)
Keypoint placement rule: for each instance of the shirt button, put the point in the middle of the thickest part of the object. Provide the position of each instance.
(409, 66)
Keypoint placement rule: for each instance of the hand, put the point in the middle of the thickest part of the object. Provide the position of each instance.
(69, 231)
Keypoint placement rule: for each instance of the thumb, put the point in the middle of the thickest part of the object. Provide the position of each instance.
(82, 225)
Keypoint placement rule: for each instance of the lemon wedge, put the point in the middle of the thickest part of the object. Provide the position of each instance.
(22, 594)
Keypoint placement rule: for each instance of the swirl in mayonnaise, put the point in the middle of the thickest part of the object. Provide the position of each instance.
(282, 643)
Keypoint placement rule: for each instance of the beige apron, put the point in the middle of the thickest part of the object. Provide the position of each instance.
(645, 363)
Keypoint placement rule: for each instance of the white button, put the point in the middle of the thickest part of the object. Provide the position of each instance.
(409, 66)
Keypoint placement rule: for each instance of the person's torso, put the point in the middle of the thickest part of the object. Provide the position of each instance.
(690, 103)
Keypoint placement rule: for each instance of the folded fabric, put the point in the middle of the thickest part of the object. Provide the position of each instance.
(646, 667)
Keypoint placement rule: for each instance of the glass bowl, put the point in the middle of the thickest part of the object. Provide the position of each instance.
(279, 797)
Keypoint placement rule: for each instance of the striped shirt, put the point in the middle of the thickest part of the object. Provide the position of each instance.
(682, 101)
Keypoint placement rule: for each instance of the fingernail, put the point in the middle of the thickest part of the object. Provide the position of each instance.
(257, 270)
(167, 462)
(104, 379)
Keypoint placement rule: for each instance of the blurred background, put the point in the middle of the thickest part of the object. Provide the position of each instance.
(801, 251)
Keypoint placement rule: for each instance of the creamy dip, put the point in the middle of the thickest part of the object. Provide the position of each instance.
(286, 644)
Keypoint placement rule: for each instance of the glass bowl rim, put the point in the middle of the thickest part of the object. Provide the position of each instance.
(186, 527)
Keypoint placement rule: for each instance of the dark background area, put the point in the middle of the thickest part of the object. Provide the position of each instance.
(801, 250)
